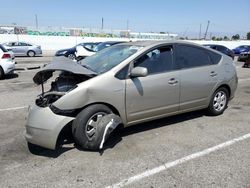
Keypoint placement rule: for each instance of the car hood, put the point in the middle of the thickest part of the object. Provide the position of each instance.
(61, 64)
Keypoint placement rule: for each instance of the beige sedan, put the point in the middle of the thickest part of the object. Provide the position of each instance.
(128, 84)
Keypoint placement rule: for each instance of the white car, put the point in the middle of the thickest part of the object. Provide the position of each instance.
(82, 52)
(23, 48)
(7, 63)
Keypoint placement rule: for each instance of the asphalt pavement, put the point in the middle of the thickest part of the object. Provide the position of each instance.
(188, 150)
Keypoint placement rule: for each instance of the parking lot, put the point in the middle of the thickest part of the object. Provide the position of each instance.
(188, 150)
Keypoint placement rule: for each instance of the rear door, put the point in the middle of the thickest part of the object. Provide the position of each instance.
(156, 94)
(198, 76)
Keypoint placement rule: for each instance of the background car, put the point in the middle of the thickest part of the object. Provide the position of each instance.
(244, 56)
(82, 52)
(71, 52)
(23, 48)
(7, 64)
(241, 49)
(221, 49)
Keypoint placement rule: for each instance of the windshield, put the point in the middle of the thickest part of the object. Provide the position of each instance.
(101, 46)
(108, 58)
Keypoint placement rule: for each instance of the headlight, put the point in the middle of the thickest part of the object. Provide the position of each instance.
(70, 113)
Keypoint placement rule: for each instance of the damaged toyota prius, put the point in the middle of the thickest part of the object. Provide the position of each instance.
(127, 84)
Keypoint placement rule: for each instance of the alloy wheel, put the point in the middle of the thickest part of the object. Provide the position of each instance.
(90, 128)
(219, 101)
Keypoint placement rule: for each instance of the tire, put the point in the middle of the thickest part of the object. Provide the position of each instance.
(71, 56)
(1, 73)
(84, 130)
(31, 53)
(219, 101)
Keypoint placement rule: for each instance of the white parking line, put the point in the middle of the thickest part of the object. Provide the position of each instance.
(14, 108)
(177, 162)
(16, 83)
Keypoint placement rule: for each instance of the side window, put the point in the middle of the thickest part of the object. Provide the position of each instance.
(22, 44)
(188, 57)
(14, 44)
(122, 74)
(213, 47)
(157, 61)
(222, 49)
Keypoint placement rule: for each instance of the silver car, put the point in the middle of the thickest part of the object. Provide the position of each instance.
(23, 48)
(127, 84)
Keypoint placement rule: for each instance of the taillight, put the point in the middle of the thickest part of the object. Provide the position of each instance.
(6, 56)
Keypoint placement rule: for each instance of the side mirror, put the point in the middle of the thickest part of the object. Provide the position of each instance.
(139, 72)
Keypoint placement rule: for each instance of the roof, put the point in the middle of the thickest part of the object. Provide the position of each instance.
(159, 42)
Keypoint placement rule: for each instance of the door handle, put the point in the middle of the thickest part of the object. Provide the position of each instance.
(173, 81)
(212, 73)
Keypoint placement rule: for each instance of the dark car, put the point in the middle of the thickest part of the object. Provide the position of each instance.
(241, 49)
(244, 56)
(221, 49)
(70, 52)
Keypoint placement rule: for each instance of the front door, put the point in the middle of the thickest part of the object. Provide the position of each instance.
(157, 94)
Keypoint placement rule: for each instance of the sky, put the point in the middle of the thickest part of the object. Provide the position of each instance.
(184, 17)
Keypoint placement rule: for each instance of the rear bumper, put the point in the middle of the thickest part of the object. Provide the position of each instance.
(43, 126)
(39, 52)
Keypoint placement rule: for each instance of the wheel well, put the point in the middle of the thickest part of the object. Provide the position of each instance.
(31, 51)
(66, 133)
(1, 69)
(227, 87)
(114, 110)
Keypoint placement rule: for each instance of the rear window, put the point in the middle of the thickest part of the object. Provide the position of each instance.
(3, 49)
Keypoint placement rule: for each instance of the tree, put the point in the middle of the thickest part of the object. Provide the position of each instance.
(248, 35)
(214, 38)
(236, 37)
(225, 38)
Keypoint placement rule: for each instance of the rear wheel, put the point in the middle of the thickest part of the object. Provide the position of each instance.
(1, 73)
(86, 132)
(218, 101)
(31, 53)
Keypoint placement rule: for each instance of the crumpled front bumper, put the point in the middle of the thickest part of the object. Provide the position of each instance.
(43, 126)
